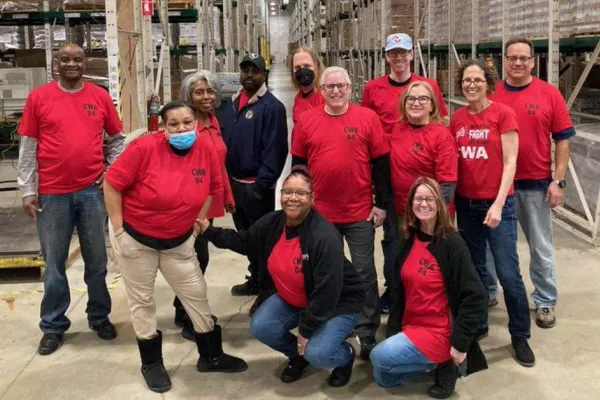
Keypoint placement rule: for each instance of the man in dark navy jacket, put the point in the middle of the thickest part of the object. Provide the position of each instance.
(255, 132)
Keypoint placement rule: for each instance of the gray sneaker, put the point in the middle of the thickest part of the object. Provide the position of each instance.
(544, 317)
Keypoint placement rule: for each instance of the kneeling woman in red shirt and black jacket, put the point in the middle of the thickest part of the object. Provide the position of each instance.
(437, 297)
(314, 287)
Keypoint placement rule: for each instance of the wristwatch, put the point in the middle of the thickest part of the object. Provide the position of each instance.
(561, 184)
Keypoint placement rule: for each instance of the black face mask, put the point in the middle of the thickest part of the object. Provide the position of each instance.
(305, 76)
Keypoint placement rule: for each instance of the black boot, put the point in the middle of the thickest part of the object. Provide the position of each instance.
(446, 375)
(212, 358)
(188, 328)
(153, 369)
(294, 369)
(340, 376)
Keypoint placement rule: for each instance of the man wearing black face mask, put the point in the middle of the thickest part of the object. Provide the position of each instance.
(305, 69)
(255, 132)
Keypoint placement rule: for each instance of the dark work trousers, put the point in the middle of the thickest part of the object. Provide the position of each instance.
(201, 247)
(360, 237)
(249, 209)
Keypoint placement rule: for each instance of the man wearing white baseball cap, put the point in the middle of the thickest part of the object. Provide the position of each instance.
(381, 95)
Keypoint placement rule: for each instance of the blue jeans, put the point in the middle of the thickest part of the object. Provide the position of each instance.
(60, 214)
(327, 347)
(503, 244)
(396, 361)
(390, 243)
(492, 278)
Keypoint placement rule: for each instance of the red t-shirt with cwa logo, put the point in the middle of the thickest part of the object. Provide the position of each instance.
(302, 104)
(480, 157)
(339, 150)
(382, 97)
(285, 267)
(428, 151)
(426, 318)
(541, 110)
(68, 128)
(163, 192)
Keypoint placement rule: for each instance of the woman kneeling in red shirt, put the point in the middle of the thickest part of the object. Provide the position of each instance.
(438, 300)
(308, 281)
(154, 193)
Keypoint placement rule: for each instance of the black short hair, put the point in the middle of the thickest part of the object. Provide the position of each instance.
(301, 171)
(491, 75)
(174, 105)
(519, 39)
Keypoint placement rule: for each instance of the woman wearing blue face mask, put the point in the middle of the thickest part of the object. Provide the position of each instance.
(154, 193)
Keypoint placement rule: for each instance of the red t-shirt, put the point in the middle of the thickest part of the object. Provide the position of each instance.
(213, 132)
(428, 151)
(339, 150)
(68, 128)
(163, 192)
(382, 97)
(244, 99)
(541, 110)
(480, 160)
(426, 320)
(302, 103)
(285, 267)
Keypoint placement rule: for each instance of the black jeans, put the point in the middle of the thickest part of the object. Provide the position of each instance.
(249, 209)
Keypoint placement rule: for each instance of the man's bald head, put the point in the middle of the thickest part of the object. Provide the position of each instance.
(70, 62)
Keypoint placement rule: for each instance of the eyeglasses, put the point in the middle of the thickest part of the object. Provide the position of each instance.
(398, 53)
(514, 59)
(330, 87)
(422, 100)
(476, 82)
(300, 194)
(429, 200)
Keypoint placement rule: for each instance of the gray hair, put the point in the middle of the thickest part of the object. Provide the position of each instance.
(190, 81)
(332, 70)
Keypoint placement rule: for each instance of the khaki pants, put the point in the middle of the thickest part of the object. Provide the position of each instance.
(139, 264)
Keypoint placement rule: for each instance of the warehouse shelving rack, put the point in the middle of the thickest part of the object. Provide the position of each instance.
(245, 29)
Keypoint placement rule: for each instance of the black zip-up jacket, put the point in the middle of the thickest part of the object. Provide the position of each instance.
(333, 287)
(467, 298)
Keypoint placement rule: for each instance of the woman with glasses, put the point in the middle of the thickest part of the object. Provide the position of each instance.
(310, 284)
(421, 146)
(486, 134)
(154, 192)
(201, 90)
(437, 300)
(305, 71)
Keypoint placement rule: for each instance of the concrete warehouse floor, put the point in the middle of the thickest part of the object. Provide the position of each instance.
(88, 367)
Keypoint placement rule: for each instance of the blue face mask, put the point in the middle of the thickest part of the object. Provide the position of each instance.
(182, 141)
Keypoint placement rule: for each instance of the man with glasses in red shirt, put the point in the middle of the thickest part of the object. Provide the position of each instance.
(344, 146)
(543, 116)
(381, 95)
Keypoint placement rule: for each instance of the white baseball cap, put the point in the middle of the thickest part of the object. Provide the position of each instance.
(398, 41)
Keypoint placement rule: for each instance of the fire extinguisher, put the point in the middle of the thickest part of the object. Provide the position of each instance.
(153, 110)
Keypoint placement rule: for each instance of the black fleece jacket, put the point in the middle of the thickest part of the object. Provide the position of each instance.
(467, 298)
(333, 287)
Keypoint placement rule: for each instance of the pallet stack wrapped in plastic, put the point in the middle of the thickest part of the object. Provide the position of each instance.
(399, 16)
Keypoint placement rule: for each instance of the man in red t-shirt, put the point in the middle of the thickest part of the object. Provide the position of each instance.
(382, 95)
(62, 138)
(543, 115)
(344, 146)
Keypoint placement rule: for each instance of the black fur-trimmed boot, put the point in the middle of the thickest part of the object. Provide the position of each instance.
(153, 369)
(212, 358)
(446, 375)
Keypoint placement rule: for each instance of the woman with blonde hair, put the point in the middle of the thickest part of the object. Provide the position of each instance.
(437, 297)
(305, 72)
(420, 145)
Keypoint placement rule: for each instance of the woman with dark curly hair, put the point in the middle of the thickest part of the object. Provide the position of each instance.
(437, 297)
(486, 134)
